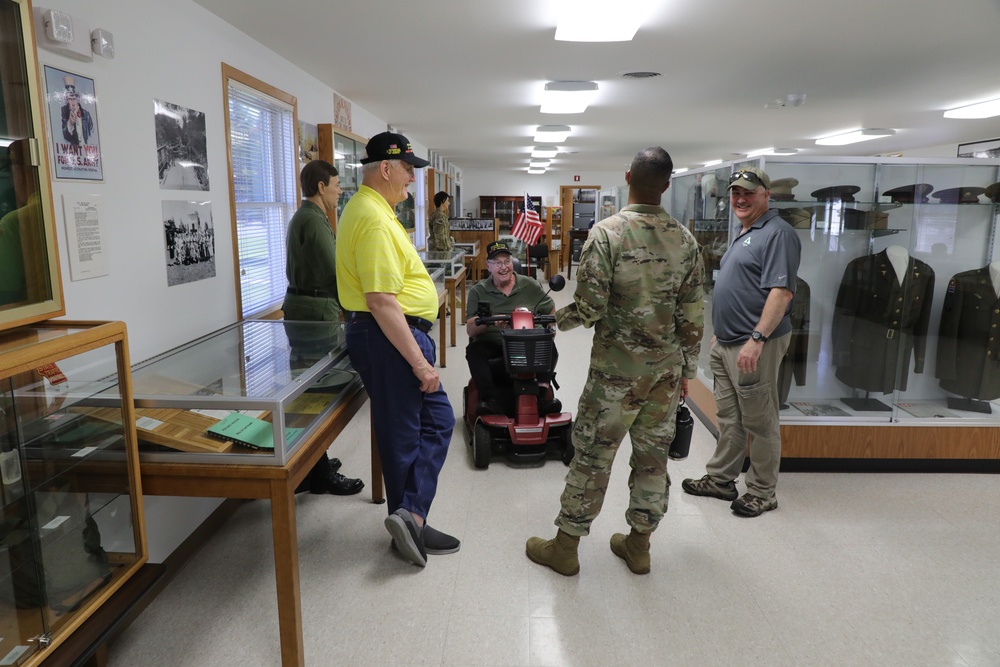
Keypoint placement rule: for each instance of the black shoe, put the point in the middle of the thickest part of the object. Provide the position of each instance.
(437, 543)
(550, 406)
(490, 407)
(335, 465)
(339, 485)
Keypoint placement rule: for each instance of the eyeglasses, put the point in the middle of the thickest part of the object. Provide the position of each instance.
(502, 262)
(748, 175)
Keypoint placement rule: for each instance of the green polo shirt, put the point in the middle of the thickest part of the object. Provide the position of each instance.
(527, 293)
(374, 254)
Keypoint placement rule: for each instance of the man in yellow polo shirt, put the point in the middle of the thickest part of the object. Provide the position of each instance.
(390, 302)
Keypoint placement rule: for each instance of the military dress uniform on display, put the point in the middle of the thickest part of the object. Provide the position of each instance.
(794, 362)
(968, 354)
(878, 323)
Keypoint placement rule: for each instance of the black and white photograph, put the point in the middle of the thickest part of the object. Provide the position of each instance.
(819, 409)
(189, 238)
(181, 147)
(76, 144)
(989, 148)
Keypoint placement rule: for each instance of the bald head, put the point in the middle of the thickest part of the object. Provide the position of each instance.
(649, 175)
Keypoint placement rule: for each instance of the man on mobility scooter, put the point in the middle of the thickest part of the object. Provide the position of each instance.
(509, 402)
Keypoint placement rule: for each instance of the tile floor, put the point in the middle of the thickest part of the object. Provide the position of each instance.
(851, 569)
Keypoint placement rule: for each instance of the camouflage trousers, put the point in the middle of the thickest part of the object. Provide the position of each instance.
(612, 406)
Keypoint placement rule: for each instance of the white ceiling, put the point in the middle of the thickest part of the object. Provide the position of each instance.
(464, 78)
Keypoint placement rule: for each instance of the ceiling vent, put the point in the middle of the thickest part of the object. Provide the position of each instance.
(639, 75)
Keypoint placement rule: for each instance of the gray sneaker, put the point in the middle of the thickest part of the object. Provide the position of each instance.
(706, 486)
(751, 505)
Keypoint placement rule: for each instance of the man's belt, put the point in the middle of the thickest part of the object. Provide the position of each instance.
(418, 322)
(309, 292)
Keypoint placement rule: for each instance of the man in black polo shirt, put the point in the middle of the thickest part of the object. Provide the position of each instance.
(503, 291)
(750, 316)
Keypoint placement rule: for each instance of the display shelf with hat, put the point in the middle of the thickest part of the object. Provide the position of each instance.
(915, 193)
(798, 218)
(993, 193)
(844, 193)
(391, 146)
(781, 189)
(959, 195)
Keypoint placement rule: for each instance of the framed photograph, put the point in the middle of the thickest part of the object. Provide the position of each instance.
(983, 149)
(71, 102)
(189, 241)
(181, 147)
(308, 143)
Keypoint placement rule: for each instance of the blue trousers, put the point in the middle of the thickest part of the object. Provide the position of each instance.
(412, 429)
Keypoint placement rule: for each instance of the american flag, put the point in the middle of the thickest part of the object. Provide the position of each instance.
(528, 227)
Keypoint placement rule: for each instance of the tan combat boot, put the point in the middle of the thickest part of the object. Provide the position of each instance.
(633, 549)
(558, 554)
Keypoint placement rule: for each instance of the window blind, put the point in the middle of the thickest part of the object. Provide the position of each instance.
(262, 142)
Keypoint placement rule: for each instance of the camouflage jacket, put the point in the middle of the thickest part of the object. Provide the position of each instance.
(640, 285)
(440, 233)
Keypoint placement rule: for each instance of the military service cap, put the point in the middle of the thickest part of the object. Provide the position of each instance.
(837, 193)
(781, 189)
(960, 195)
(910, 194)
(993, 192)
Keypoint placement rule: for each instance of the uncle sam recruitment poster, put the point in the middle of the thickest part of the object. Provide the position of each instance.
(71, 102)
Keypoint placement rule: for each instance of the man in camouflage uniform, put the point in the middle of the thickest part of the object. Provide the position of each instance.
(640, 285)
(440, 237)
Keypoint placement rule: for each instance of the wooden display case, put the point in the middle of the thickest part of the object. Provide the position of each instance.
(504, 209)
(72, 531)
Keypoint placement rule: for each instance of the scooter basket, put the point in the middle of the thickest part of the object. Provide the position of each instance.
(527, 350)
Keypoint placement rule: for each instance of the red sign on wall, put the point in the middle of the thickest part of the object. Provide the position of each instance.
(576, 179)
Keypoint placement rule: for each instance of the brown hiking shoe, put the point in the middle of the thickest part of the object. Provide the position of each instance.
(706, 486)
(633, 549)
(751, 505)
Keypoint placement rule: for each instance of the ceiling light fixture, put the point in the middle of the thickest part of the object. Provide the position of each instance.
(539, 164)
(713, 163)
(773, 151)
(577, 22)
(532, 170)
(544, 151)
(568, 96)
(979, 110)
(680, 171)
(854, 137)
(552, 134)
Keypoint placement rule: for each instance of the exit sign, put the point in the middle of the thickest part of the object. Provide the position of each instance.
(576, 179)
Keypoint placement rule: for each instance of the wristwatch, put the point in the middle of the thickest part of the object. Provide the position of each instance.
(758, 336)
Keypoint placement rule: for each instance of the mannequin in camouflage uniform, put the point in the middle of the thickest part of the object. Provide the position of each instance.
(640, 286)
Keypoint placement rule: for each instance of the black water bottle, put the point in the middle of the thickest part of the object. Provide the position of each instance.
(683, 431)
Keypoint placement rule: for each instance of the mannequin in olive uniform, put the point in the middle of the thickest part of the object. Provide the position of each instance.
(882, 313)
(312, 293)
(440, 237)
(640, 285)
(968, 357)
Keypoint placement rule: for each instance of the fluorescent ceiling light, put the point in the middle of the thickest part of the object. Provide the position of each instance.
(539, 164)
(544, 151)
(980, 110)
(531, 170)
(854, 137)
(597, 21)
(681, 170)
(552, 134)
(568, 96)
(784, 151)
(713, 162)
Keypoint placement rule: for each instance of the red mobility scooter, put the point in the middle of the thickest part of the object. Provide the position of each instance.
(523, 435)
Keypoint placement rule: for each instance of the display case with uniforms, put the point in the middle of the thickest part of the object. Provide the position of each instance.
(71, 529)
(896, 315)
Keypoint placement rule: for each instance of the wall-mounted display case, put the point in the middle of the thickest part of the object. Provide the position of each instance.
(277, 379)
(71, 531)
(897, 308)
(30, 282)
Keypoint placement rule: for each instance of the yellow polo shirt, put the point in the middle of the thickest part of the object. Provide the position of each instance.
(374, 254)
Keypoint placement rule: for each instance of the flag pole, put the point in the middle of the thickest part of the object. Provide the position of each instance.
(527, 246)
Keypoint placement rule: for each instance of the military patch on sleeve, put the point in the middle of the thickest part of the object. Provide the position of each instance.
(951, 286)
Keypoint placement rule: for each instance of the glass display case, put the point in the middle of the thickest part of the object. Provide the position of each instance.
(471, 248)
(250, 393)
(449, 260)
(30, 284)
(71, 531)
(897, 307)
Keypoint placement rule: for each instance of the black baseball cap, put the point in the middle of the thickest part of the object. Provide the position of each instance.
(495, 248)
(391, 146)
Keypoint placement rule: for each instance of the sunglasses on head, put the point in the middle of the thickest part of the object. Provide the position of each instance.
(748, 175)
